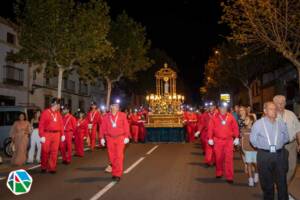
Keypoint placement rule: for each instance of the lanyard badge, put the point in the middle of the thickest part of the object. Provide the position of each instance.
(272, 146)
(114, 122)
(54, 116)
(223, 121)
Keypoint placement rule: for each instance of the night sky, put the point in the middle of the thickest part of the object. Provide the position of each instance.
(187, 30)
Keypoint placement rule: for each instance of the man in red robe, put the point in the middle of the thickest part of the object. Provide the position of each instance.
(114, 133)
(51, 129)
(223, 133)
(94, 119)
(66, 142)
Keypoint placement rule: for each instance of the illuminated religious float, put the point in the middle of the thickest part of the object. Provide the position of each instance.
(165, 117)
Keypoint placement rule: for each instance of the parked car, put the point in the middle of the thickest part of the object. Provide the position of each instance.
(8, 115)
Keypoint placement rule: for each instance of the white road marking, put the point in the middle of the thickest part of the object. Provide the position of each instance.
(151, 150)
(111, 184)
(34, 167)
(103, 191)
(291, 197)
(134, 165)
(37, 166)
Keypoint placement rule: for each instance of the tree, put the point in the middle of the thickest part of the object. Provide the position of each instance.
(61, 34)
(130, 45)
(230, 66)
(266, 23)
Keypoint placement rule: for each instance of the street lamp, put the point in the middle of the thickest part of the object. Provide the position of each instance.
(118, 101)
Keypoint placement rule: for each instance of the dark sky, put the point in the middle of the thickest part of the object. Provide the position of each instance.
(187, 30)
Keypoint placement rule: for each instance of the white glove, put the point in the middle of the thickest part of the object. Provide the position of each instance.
(197, 134)
(42, 139)
(126, 140)
(63, 138)
(102, 141)
(236, 141)
(211, 142)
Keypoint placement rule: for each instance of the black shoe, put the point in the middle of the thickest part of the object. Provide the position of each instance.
(43, 171)
(229, 182)
(116, 178)
(52, 172)
(218, 177)
(66, 162)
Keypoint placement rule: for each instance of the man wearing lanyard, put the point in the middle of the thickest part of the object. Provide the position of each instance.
(269, 136)
(202, 131)
(50, 132)
(66, 140)
(223, 133)
(115, 133)
(293, 125)
(93, 118)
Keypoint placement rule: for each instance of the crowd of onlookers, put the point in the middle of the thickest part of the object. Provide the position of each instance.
(268, 144)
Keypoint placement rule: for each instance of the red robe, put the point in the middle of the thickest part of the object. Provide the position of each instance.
(223, 134)
(50, 127)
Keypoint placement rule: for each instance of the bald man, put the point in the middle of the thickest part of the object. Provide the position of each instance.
(269, 136)
(293, 125)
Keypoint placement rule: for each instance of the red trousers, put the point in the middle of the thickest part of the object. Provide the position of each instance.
(142, 133)
(224, 157)
(92, 135)
(66, 147)
(191, 130)
(79, 143)
(203, 140)
(210, 158)
(135, 133)
(50, 151)
(115, 148)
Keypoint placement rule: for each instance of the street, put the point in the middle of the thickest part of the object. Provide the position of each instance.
(162, 171)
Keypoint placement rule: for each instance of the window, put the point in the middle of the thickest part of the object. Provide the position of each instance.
(9, 117)
(70, 104)
(81, 105)
(13, 75)
(47, 101)
(10, 38)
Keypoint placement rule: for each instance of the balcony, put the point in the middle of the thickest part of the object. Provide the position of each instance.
(69, 85)
(13, 75)
(83, 88)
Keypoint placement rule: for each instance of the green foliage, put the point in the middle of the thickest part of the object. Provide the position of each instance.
(61, 33)
(130, 44)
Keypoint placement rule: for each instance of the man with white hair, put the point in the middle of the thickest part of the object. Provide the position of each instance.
(293, 126)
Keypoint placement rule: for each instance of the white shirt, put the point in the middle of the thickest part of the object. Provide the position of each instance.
(292, 122)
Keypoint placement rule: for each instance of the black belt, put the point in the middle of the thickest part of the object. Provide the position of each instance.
(52, 131)
(268, 151)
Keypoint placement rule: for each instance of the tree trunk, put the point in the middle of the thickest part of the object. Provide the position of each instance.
(250, 96)
(296, 63)
(59, 85)
(108, 94)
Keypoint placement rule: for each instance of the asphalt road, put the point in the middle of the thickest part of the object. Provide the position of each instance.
(154, 172)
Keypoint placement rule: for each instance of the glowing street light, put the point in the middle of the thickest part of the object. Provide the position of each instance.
(118, 101)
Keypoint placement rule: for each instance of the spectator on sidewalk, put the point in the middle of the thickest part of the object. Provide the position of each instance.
(35, 141)
(249, 112)
(293, 125)
(235, 112)
(249, 152)
(269, 136)
(19, 134)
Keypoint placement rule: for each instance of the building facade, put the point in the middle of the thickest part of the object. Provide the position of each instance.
(23, 84)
